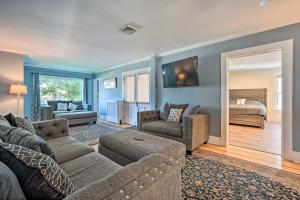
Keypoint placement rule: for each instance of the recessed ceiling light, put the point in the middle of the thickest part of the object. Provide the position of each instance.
(263, 2)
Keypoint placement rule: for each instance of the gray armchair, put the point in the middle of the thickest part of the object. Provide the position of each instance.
(192, 131)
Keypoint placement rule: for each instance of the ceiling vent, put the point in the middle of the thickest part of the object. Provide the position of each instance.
(130, 28)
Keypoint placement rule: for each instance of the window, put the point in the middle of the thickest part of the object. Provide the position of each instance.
(278, 93)
(137, 87)
(62, 88)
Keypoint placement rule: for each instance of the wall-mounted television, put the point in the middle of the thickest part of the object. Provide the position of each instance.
(182, 73)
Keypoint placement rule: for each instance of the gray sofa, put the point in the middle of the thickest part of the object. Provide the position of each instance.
(80, 116)
(192, 131)
(97, 177)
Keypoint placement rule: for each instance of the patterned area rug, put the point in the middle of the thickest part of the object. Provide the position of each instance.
(90, 133)
(208, 175)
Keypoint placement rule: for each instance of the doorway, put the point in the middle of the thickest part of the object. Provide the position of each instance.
(255, 101)
(287, 88)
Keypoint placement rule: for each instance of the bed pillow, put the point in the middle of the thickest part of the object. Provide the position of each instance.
(240, 101)
(26, 139)
(39, 175)
(62, 107)
(25, 124)
(175, 115)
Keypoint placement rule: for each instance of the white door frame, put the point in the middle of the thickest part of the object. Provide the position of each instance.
(287, 84)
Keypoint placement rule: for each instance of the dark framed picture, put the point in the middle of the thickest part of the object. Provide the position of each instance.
(110, 83)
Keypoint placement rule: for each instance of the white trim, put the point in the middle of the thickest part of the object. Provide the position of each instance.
(125, 64)
(58, 68)
(214, 140)
(287, 83)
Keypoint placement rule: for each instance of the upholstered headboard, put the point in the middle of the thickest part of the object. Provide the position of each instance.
(259, 94)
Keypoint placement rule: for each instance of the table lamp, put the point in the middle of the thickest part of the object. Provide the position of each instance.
(18, 89)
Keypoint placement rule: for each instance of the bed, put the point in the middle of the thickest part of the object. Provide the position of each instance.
(253, 112)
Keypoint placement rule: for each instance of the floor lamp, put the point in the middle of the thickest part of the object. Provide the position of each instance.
(19, 90)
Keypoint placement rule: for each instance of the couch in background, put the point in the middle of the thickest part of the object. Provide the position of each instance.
(192, 130)
(83, 114)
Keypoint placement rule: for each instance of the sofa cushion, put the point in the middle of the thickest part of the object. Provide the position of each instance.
(9, 184)
(67, 148)
(25, 124)
(179, 106)
(175, 115)
(11, 119)
(165, 127)
(62, 107)
(53, 103)
(4, 121)
(79, 104)
(164, 111)
(38, 174)
(76, 115)
(26, 139)
(89, 168)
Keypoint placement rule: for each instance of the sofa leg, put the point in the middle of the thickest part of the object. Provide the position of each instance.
(94, 122)
(188, 152)
(205, 142)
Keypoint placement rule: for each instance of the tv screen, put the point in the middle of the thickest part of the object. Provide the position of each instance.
(182, 73)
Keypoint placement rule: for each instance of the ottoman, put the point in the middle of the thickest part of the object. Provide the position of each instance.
(127, 146)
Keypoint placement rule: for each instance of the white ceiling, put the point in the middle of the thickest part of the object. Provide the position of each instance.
(259, 61)
(83, 35)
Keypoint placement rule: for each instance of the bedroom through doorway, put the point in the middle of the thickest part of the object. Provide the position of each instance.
(255, 101)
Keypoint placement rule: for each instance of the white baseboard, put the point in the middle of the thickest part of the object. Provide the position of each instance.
(214, 140)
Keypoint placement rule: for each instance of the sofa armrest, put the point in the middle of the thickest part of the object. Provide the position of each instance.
(195, 130)
(153, 177)
(50, 129)
(147, 116)
(46, 112)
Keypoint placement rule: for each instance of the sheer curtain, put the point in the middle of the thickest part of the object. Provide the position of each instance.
(36, 98)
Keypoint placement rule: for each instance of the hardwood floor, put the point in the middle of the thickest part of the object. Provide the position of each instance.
(262, 158)
(266, 140)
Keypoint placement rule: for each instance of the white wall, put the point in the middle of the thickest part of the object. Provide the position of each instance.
(261, 78)
(11, 71)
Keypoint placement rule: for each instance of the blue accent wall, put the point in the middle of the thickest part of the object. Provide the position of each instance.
(208, 94)
(28, 70)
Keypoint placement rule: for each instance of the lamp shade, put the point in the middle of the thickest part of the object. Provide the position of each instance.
(18, 89)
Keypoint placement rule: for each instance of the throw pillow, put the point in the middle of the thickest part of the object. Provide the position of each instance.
(4, 121)
(175, 115)
(164, 111)
(26, 139)
(39, 175)
(11, 119)
(79, 104)
(62, 107)
(179, 106)
(25, 124)
(9, 185)
(240, 101)
(72, 107)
